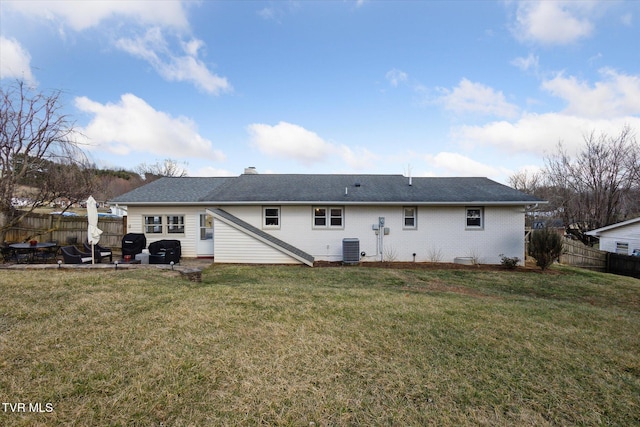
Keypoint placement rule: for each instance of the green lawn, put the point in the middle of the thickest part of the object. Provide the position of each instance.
(325, 346)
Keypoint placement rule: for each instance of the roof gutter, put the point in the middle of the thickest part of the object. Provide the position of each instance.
(336, 202)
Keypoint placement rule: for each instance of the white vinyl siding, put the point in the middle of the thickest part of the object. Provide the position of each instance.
(188, 239)
(234, 246)
(439, 232)
(626, 234)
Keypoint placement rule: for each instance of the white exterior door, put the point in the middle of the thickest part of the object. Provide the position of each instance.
(205, 236)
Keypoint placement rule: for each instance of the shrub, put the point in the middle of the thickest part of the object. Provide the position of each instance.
(545, 246)
(508, 262)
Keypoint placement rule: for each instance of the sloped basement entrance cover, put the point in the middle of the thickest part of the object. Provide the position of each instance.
(265, 247)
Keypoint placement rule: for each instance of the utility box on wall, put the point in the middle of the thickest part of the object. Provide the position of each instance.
(350, 251)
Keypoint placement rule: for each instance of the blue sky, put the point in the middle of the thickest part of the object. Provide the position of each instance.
(434, 88)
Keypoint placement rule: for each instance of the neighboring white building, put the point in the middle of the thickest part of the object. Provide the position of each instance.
(621, 238)
(279, 219)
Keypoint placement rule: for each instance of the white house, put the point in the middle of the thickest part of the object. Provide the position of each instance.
(621, 238)
(297, 218)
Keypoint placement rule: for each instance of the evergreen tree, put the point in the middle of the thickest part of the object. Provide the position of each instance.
(545, 246)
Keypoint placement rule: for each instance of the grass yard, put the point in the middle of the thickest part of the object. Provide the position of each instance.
(325, 346)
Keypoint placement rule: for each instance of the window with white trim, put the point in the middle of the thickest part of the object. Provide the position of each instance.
(167, 224)
(175, 224)
(622, 248)
(153, 224)
(475, 218)
(271, 217)
(410, 217)
(328, 217)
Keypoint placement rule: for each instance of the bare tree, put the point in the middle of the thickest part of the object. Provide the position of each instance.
(34, 133)
(72, 182)
(596, 187)
(168, 167)
(527, 182)
(531, 183)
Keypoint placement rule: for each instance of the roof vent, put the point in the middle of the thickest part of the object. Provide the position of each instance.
(251, 170)
(358, 184)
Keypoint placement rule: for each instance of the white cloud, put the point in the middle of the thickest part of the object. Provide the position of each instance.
(172, 63)
(211, 171)
(614, 96)
(295, 142)
(153, 48)
(359, 159)
(540, 133)
(526, 64)
(553, 22)
(605, 106)
(15, 61)
(291, 141)
(81, 15)
(395, 77)
(132, 125)
(469, 97)
(456, 164)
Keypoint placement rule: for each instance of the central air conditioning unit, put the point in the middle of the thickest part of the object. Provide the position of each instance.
(350, 251)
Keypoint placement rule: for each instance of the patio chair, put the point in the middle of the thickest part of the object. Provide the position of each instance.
(165, 251)
(48, 254)
(73, 255)
(11, 255)
(8, 254)
(100, 252)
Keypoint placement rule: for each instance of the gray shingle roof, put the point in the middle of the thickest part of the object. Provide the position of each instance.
(343, 189)
(171, 190)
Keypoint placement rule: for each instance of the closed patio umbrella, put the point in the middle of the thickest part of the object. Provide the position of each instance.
(93, 232)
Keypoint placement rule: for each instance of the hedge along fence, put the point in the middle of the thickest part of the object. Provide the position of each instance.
(65, 230)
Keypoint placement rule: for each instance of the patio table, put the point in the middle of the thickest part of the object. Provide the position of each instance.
(32, 249)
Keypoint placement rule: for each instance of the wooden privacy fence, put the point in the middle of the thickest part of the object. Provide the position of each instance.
(624, 265)
(577, 254)
(65, 230)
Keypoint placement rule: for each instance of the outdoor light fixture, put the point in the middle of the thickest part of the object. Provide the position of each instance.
(116, 263)
(171, 264)
(59, 263)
